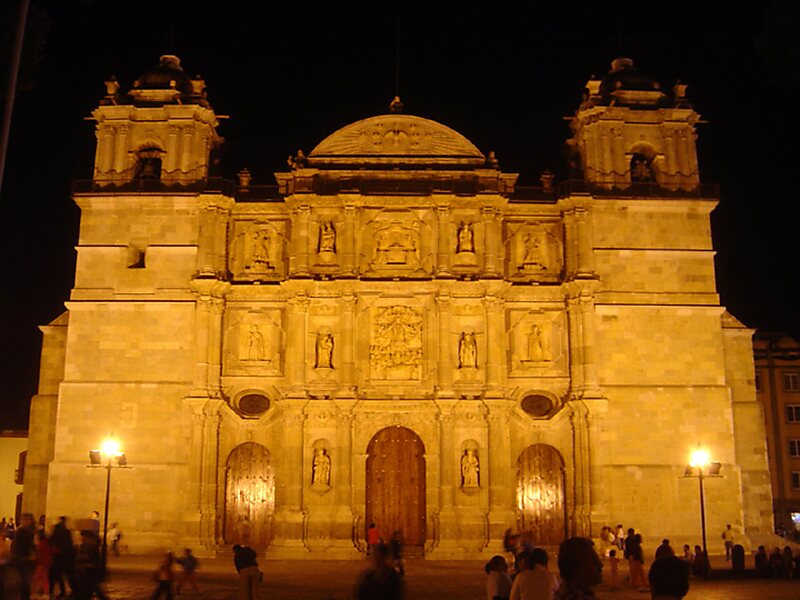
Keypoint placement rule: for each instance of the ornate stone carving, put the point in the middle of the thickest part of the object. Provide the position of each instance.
(396, 245)
(255, 344)
(538, 344)
(536, 251)
(470, 469)
(467, 350)
(396, 348)
(256, 250)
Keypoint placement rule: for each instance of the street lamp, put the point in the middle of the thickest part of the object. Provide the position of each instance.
(105, 458)
(699, 466)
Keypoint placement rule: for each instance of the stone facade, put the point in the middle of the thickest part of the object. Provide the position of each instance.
(397, 333)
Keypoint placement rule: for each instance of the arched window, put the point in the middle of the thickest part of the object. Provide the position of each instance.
(148, 163)
(642, 168)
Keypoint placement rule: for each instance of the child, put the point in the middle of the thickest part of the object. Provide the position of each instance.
(614, 561)
(498, 583)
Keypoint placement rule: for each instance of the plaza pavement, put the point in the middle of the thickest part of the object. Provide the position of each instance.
(131, 579)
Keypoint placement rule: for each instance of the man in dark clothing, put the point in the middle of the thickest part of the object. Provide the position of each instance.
(63, 557)
(381, 581)
(23, 553)
(669, 578)
(580, 568)
(89, 570)
(244, 559)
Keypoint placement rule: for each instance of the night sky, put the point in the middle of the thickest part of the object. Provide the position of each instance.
(290, 73)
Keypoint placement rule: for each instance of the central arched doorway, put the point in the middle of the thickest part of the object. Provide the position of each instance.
(396, 484)
(249, 496)
(541, 509)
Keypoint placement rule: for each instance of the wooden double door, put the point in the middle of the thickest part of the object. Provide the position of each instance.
(396, 484)
(249, 496)
(541, 508)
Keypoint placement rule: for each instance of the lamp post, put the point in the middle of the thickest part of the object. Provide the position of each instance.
(699, 466)
(105, 458)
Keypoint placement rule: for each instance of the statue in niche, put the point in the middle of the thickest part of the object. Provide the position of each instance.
(321, 469)
(327, 238)
(255, 345)
(470, 469)
(533, 256)
(467, 351)
(259, 251)
(537, 348)
(324, 351)
(466, 239)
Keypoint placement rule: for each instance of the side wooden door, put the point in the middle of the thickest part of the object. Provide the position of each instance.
(540, 495)
(396, 484)
(249, 496)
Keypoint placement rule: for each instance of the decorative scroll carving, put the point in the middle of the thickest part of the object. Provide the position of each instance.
(396, 349)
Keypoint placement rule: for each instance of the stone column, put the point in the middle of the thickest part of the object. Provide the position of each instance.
(495, 344)
(300, 242)
(215, 345)
(342, 477)
(492, 242)
(350, 250)
(206, 251)
(289, 514)
(348, 340)
(170, 164)
(571, 246)
(186, 153)
(581, 497)
(591, 387)
(105, 151)
(201, 319)
(444, 241)
(445, 367)
(121, 151)
(209, 468)
(575, 342)
(448, 527)
(500, 473)
(585, 242)
(296, 345)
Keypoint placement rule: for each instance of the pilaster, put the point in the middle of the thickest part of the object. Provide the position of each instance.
(444, 241)
(445, 364)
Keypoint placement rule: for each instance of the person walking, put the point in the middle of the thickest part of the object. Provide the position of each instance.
(380, 581)
(396, 552)
(728, 537)
(244, 559)
(188, 564)
(44, 563)
(163, 578)
(63, 558)
(89, 571)
(23, 553)
(373, 538)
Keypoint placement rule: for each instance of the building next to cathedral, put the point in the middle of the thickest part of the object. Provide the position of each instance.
(397, 334)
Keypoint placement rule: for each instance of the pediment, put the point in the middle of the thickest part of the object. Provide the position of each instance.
(395, 135)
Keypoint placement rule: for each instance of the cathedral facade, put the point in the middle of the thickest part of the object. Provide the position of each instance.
(396, 334)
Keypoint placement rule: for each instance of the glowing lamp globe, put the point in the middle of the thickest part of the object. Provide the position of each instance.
(699, 458)
(110, 447)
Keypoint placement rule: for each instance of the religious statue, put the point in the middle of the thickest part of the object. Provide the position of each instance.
(466, 238)
(255, 347)
(324, 351)
(327, 238)
(536, 344)
(533, 252)
(259, 252)
(470, 468)
(321, 469)
(467, 351)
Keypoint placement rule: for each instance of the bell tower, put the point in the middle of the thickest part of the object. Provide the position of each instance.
(627, 132)
(163, 129)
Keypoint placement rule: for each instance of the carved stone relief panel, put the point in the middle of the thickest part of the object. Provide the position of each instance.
(537, 343)
(466, 242)
(535, 251)
(396, 243)
(253, 342)
(326, 238)
(396, 343)
(257, 249)
(469, 340)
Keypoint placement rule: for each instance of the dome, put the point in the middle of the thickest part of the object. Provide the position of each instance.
(396, 138)
(167, 75)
